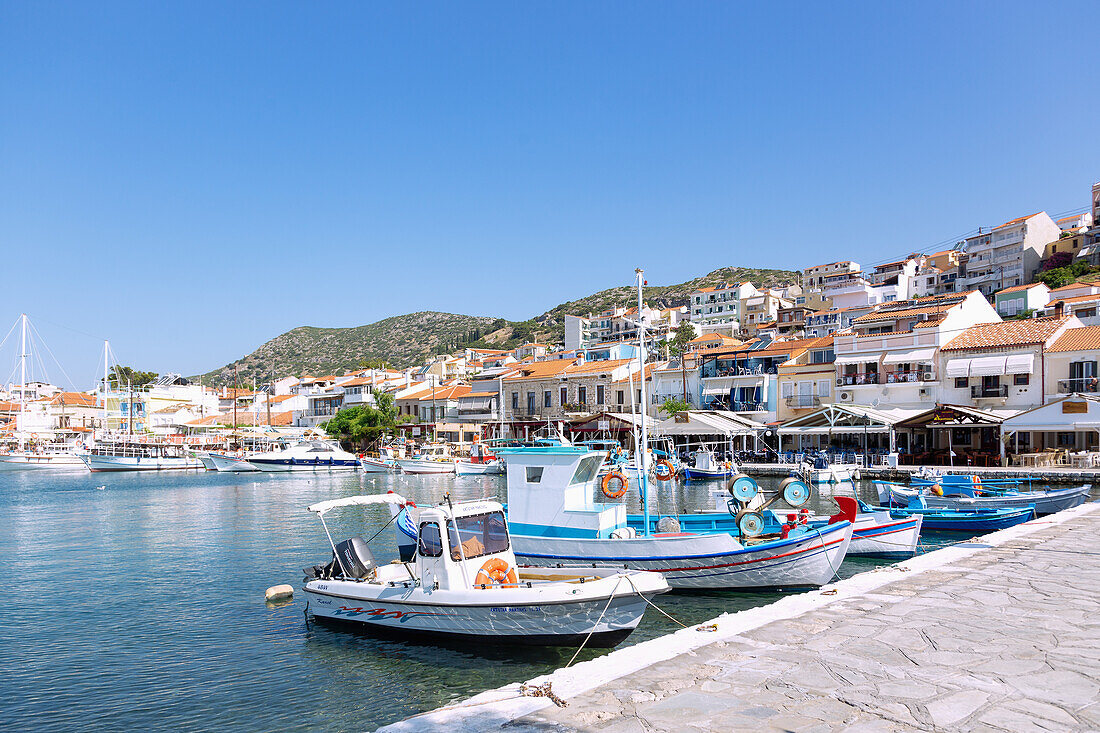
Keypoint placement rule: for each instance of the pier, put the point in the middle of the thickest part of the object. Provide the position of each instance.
(996, 633)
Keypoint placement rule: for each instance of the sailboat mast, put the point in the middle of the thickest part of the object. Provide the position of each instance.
(106, 384)
(22, 424)
(642, 401)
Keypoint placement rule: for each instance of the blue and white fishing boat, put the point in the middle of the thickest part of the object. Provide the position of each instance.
(875, 533)
(964, 493)
(979, 521)
(708, 468)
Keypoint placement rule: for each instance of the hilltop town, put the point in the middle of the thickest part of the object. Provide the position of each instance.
(977, 330)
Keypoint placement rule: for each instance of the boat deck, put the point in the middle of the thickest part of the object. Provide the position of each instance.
(1015, 648)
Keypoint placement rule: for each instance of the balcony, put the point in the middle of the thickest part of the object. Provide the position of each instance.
(1080, 384)
(803, 400)
(750, 407)
(978, 393)
(909, 377)
(857, 378)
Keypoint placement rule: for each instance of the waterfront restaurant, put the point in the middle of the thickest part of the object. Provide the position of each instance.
(1071, 423)
(955, 435)
(711, 427)
(858, 429)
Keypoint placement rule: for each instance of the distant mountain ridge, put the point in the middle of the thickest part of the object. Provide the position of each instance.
(408, 339)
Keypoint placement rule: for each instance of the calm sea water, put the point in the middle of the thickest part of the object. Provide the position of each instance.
(141, 604)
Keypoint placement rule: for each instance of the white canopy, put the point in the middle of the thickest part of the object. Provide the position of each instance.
(1020, 364)
(958, 368)
(708, 422)
(913, 356)
(391, 498)
(718, 386)
(988, 366)
(856, 359)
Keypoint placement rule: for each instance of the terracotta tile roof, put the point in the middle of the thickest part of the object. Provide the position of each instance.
(1088, 298)
(355, 382)
(445, 393)
(274, 399)
(1027, 332)
(74, 399)
(595, 367)
(1072, 286)
(1017, 288)
(1077, 339)
(538, 370)
(1016, 221)
(649, 369)
(908, 308)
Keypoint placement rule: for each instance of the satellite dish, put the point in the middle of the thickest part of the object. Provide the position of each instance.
(876, 402)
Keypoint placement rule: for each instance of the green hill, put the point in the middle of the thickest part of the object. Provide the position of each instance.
(403, 341)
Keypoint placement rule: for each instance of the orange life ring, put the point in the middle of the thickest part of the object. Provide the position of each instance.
(496, 571)
(663, 470)
(977, 480)
(616, 476)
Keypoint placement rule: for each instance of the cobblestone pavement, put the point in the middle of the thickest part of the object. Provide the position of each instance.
(1007, 639)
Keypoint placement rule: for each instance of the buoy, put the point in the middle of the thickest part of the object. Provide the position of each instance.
(279, 593)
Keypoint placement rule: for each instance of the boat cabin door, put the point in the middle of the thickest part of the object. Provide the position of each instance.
(430, 563)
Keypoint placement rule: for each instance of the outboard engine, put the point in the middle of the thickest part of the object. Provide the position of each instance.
(355, 559)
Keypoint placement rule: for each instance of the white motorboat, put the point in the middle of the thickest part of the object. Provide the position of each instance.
(708, 467)
(433, 458)
(232, 462)
(308, 455)
(961, 493)
(133, 455)
(464, 583)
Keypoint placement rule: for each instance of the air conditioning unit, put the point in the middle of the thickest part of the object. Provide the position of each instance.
(845, 396)
(839, 382)
(926, 376)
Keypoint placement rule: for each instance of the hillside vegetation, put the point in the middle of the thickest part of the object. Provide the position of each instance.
(402, 341)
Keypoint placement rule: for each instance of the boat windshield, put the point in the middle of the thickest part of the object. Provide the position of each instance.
(481, 534)
(587, 469)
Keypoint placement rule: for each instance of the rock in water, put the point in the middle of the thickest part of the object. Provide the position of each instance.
(279, 593)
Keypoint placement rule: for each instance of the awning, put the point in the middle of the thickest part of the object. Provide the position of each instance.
(914, 356)
(988, 366)
(1020, 364)
(860, 359)
(957, 368)
(476, 401)
(717, 386)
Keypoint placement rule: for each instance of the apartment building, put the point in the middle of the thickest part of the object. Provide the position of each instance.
(761, 309)
(718, 308)
(1009, 254)
(891, 354)
(1000, 365)
(806, 380)
(827, 322)
(744, 379)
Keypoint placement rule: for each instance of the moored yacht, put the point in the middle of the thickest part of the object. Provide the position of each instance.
(308, 455)
(134, 455)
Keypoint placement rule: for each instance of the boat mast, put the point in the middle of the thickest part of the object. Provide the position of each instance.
(645, 435)
(21, 425)
(106, 384)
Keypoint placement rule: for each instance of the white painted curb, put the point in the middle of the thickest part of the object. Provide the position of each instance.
(494, 708)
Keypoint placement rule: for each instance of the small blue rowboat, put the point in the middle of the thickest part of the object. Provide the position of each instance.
(977, 520)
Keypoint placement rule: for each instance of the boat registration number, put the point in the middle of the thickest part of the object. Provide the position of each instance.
(513, 609)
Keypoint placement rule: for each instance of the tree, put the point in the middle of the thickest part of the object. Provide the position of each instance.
(128, 376)
(363, 425)
(671, 406)
(685, 332)
(373, 364)
(1055, 278)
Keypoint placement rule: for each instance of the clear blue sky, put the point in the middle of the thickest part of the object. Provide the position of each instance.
(192, 179)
